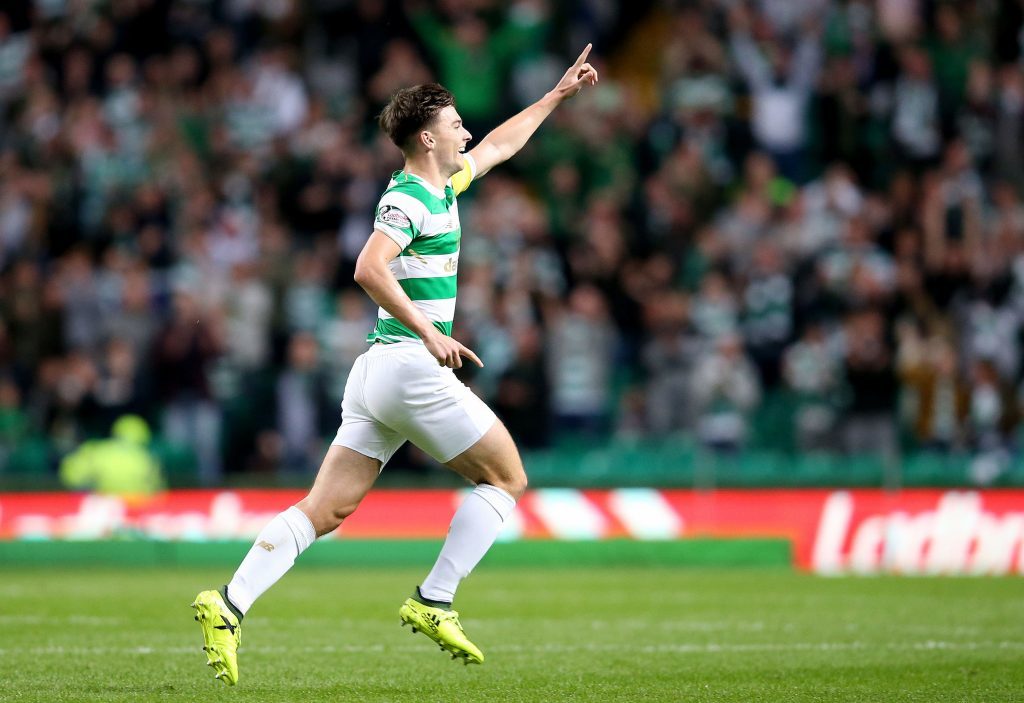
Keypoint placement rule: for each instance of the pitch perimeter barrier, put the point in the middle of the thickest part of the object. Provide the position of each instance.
(384, 553)
(918, 531)
(675, 462)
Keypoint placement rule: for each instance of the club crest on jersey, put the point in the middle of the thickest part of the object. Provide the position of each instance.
(391, 215)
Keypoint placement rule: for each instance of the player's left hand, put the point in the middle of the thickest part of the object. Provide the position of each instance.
(579, 74)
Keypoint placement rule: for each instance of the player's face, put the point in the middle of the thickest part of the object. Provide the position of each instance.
(450, 139)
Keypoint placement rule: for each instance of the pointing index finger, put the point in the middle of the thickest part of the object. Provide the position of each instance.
(583, 57)
(472, 355)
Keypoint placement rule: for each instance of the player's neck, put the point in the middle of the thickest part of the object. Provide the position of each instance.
(427, 169)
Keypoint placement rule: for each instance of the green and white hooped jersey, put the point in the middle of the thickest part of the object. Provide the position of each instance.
(424, 221)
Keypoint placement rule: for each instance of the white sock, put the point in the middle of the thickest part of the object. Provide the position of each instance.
(276, 547)
(474, 528)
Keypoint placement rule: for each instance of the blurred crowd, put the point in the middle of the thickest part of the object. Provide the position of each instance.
(775, 224)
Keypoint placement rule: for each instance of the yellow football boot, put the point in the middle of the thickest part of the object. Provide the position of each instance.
(222, 635)
(443, 627)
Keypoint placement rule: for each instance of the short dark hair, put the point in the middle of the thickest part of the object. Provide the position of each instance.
(411, 109)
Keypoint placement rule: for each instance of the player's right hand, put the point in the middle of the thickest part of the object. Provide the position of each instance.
(449, 351)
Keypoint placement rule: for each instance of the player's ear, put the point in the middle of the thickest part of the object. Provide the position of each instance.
(427, 139)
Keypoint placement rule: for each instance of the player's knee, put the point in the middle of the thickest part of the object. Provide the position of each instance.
(517, 486)
(512, 482)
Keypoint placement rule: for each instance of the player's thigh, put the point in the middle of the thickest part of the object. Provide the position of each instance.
(362, 446)
(493, 459)
(407, 392)
(344, 478)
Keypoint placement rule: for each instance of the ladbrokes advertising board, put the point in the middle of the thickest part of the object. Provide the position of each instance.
(833, 532)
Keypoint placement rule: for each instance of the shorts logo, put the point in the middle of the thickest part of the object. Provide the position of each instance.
(263, 544)
(390, 215)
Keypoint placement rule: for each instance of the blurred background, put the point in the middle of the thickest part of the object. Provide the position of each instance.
(780, 244)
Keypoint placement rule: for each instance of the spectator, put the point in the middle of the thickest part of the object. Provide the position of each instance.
(473, 60)
(1009, 142)
(306, 300)
(63, 402)
(992, 414)
(669, 356)
(249, 314)
(952, 49)
(780, 86)
(935, 392)
(183, 352)
(725, 390)
(812, 370)
(278, 90)
(767, 311)
(522, 399)
(916, 121)
(343, 338)
(715, 310)
(15, 49)
(77, 281)
(581, 358)
(121, 386)
(121, 465)
(134, 319)
(304, 412)
(14, 422)
(857, 270)
(868, 427)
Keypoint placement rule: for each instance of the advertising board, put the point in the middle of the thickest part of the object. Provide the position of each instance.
(832, 532)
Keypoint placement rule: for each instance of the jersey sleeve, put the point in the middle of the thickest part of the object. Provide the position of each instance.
(400, 217)
(462, 179)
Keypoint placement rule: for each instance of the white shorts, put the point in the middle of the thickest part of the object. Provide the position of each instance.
(398, 392)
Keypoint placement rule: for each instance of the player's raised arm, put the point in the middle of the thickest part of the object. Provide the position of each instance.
(508, 138)
(373, 274)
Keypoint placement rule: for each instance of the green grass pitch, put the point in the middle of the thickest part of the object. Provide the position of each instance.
(550, 635)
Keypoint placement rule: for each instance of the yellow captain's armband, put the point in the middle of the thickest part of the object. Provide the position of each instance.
(462, 179)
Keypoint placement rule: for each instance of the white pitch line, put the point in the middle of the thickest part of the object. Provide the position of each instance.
(85, 620)
(668, 648)
(570, 624)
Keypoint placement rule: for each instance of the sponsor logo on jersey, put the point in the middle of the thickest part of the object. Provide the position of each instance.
(391, 215)
(451, 265)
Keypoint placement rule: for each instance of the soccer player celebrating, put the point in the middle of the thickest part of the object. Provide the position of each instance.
(404, 387)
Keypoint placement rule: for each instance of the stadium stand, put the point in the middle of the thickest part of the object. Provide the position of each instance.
(773, 248)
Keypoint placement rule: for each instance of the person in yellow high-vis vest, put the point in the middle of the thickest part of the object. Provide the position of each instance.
(121, 465)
